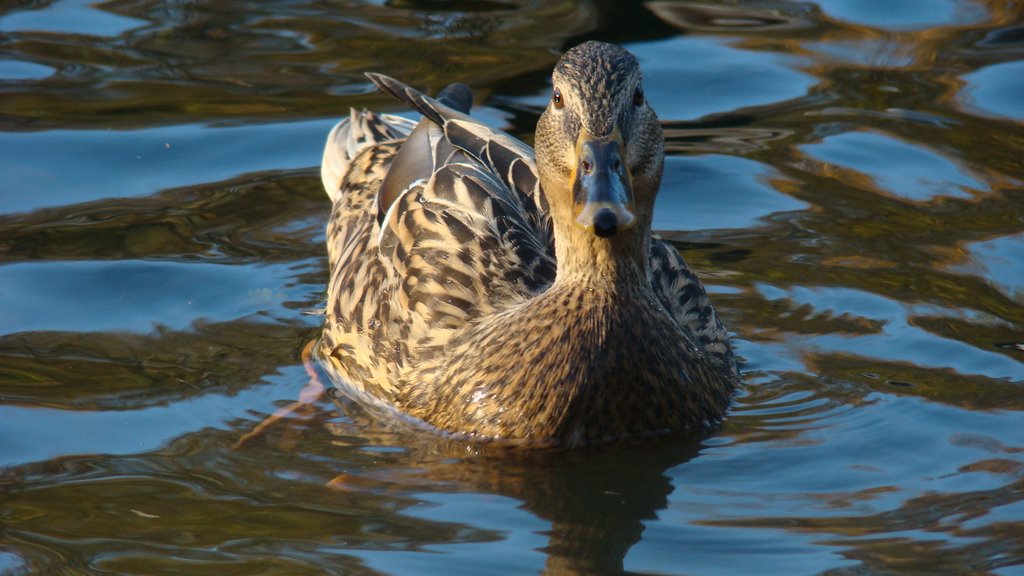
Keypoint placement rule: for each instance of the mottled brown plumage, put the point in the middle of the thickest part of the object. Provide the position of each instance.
(497, 294)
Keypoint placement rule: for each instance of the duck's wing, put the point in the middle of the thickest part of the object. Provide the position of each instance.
(686, 300)
(507, 159)
(468, 240)
(482, 196)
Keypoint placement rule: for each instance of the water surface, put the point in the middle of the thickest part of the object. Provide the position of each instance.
(847, 177)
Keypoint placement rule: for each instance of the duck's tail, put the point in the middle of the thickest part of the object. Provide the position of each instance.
(351, 136)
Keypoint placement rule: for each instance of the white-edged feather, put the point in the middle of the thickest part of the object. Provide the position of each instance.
(351, 136)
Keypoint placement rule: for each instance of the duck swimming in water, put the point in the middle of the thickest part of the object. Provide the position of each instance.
(501, 293)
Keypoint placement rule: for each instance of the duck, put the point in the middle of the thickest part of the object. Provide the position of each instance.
(500, 293)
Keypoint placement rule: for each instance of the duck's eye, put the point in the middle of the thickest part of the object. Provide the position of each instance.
(556, 98)
(638, 96)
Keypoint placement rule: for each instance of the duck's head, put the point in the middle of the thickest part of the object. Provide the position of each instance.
(600, 149)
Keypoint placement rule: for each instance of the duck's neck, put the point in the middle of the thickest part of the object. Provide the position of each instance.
(616, 264)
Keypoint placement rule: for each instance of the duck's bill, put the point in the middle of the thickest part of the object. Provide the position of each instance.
(602, 194)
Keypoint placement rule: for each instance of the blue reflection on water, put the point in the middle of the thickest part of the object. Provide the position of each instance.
(57, 167)
(693, 189)
(902, 169)
(10, 562)
(996, 90)
(903, 15)
(689, 77)
(899, 339)
(1001, 262)
(16, 70)
(136, 295)
(43, 433)
(69, 17)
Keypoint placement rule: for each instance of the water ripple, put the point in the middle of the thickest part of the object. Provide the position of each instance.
(844, 176)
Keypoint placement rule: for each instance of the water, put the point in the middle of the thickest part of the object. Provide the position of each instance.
(848, 177)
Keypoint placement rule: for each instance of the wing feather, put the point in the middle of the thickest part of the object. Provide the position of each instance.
(505, 157)
(349, 137)
(683, 295)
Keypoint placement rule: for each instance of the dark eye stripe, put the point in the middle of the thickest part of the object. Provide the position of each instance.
(638, 96)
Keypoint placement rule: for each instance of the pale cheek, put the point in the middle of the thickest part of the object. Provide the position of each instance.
(569, 157)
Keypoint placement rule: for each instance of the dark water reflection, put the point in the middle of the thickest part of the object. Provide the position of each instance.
(847, 175)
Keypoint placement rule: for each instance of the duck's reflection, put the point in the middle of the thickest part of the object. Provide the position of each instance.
(595, 499)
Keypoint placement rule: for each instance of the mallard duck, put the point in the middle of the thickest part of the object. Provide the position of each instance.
(499, 293)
